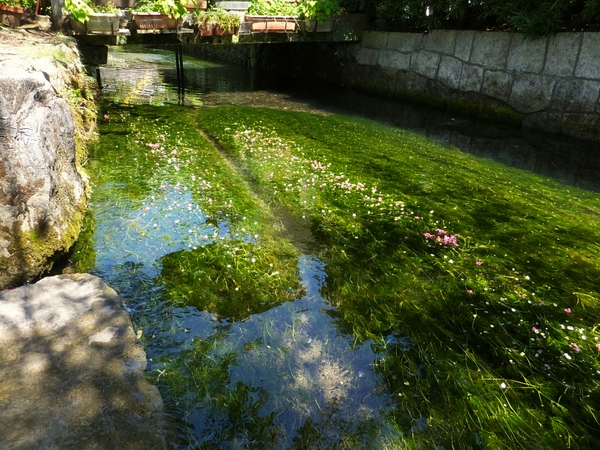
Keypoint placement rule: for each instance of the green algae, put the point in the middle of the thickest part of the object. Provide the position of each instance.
(489, 342)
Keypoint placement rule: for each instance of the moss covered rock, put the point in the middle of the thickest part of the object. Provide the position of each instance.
(42, 192)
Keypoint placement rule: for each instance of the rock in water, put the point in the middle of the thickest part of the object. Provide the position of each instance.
(42, 195)
(72, 370)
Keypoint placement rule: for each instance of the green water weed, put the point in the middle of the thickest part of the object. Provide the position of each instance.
(478, 281)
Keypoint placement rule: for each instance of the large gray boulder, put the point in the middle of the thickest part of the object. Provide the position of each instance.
(42, 194)
(72, 370)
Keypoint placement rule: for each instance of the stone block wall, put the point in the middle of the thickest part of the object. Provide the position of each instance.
(550, 83)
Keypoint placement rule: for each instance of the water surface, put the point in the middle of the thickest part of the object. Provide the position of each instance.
(280, 372)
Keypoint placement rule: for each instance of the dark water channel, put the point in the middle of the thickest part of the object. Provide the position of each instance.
(302, 380)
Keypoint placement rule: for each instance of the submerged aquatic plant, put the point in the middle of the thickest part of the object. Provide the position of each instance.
(232, 279)
(490, 274)
(475, 285)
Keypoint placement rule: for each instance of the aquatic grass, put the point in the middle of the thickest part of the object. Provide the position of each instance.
(303, 379)
(179, 233)
(231, 279)
(489, 273)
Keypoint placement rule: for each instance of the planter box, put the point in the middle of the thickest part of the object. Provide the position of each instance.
(11, 15)
(206, 29)
(272, 24)
(234, 6)
(312, 26)
(222, 32)
(98, 23)
(155, 21)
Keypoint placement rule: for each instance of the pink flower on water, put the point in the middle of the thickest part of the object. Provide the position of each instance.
(535, 330)
(450, 240)
(479, 262)
(575, 347)
(469, 291)
(568, 310)
(446, 240)
(598, 347)
(105, 116)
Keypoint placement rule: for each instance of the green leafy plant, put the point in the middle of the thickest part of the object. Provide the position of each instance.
(218, 16)
(80, 10)
(172, 8)
(29, 5)
(319, 10)
(273, 8)
(534, 18)
(205, 17)
(227, 21)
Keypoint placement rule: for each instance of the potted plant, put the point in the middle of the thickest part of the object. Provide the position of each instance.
(205, 22)
(217, 21)
(88, 18)
(227, 23)
(318, 15)
(159, 14)
(11, 13)
(272, 16)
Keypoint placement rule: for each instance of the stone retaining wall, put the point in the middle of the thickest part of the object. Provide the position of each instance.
(551, 83)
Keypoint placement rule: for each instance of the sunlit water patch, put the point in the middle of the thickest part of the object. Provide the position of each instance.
(141, 75)
(282, 378)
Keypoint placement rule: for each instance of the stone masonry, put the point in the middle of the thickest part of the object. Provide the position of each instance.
(551, 83)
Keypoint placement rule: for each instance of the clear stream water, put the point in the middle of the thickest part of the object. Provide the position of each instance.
(307, 372)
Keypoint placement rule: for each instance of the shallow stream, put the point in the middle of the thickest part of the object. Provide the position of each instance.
(243, 361)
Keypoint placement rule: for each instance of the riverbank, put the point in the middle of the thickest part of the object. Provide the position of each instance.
(71, 366)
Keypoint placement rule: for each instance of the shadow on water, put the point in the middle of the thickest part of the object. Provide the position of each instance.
(572, 161)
